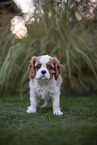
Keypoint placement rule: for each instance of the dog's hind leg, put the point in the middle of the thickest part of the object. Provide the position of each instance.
(45, 102)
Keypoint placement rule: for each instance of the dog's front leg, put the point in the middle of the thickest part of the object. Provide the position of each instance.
(33, 101)
(56, 104)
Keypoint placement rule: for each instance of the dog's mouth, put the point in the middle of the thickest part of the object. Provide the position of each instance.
(43, 77)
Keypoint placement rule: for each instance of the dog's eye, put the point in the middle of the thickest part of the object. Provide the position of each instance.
(38, 66)
(49, 67)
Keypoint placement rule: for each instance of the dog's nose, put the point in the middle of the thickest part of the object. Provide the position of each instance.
(43, 72)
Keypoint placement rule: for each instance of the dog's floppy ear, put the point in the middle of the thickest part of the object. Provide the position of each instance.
(57, 67)
(31, 67)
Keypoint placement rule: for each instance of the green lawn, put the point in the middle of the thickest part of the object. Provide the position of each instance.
(78, 125)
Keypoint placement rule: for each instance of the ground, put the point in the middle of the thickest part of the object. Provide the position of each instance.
(78, 125)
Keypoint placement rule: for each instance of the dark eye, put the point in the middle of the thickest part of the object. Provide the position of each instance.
(38, 66)
(49, 67)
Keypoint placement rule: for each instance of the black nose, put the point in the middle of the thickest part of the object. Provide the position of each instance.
(43, 72)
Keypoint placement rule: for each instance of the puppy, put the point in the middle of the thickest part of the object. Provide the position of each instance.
(45, 82)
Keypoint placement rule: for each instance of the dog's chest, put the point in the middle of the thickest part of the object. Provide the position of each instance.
(45, 89)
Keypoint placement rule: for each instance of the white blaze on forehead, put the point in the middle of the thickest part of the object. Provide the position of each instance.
(44, 59)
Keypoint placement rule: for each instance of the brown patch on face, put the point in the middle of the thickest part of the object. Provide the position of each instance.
(32, 66)
(50, 67)
(37, 65)
(54, 67)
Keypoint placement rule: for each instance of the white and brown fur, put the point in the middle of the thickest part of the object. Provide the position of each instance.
(45, 82)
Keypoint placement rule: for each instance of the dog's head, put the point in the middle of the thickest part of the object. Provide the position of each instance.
(44, 67)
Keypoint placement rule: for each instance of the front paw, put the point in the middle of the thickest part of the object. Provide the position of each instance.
(57, 112)
(30, 109)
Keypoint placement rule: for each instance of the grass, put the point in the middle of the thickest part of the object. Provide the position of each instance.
(77, 126)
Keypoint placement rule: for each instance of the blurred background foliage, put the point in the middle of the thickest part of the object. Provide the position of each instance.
(65, 29)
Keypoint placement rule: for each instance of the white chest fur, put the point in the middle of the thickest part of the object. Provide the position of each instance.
(44, 88)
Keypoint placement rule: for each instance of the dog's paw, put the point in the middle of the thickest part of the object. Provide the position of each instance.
(57, 112)
(30, 109)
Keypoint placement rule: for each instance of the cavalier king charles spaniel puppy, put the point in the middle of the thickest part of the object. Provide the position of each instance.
(45, 82)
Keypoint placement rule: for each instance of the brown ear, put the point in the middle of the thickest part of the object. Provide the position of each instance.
(57, 68)
(31, 67)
